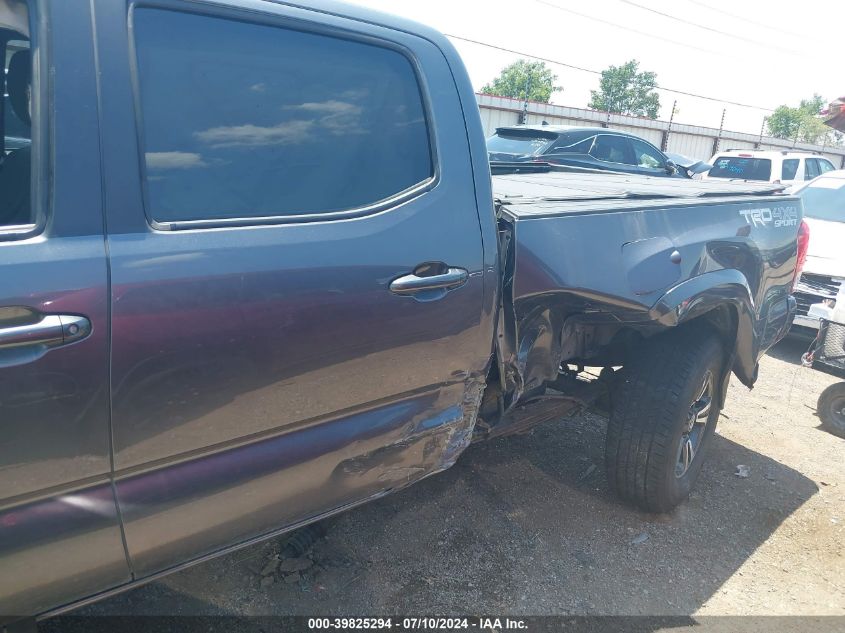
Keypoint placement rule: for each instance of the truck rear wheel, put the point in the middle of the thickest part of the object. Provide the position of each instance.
(831, 408)
(664, 410)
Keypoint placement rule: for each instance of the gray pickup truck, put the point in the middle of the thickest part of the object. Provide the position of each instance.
(254, 270)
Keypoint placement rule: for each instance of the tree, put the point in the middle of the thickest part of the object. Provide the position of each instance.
(533, 81)
(624, 90)
(785, 122)
(802, 124)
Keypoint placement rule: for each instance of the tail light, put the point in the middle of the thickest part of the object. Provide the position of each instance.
(803, 247)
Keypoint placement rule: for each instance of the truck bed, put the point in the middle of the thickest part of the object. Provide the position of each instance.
(592, 258)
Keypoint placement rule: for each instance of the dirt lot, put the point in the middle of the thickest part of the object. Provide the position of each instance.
(526, 525)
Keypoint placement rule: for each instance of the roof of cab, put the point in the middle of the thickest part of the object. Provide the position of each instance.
(378, 18)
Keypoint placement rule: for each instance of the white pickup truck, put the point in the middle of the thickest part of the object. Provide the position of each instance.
(820, 292)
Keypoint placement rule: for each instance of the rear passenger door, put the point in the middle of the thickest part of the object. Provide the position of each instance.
(296, 265)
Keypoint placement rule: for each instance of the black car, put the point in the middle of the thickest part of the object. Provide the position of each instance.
(587, 147)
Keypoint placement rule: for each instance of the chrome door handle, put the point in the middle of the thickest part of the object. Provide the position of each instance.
(415, 283)
(51, 331)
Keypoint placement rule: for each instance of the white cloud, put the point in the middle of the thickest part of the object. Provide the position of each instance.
(332, 116)
(355, 94)
(288, 133)
(339, 117)
(174, 160)
(328, 107)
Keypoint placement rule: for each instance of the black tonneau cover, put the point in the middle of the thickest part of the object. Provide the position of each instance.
(564, 186)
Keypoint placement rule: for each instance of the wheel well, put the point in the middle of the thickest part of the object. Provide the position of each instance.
(723, 320)
(612, 345)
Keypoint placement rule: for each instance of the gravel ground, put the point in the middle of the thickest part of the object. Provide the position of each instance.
(526, 525)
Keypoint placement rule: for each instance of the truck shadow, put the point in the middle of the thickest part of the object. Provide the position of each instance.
(524, 525)
(615, 559)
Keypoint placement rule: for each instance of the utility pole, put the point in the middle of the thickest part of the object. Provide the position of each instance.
(718, 140)
(665, 144)
(525, 105)
(607, 103)
(762, 129)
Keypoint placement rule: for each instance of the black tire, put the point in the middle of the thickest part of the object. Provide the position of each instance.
(831, 409)
(652, 404)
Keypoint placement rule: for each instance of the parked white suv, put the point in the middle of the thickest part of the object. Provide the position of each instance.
(782, 167)
(820, 292)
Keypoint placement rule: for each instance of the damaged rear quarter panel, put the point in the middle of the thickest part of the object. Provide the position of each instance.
(628, 262)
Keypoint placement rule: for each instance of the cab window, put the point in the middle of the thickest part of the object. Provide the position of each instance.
(249, 120)
(789, 169)
(16, 165)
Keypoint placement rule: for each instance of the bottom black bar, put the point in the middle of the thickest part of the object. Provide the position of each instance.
(430, 624)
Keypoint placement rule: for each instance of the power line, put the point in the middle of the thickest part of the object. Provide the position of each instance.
(709, 28)
(700, 3)
(597, 72)
(508, 50)
(628, 28)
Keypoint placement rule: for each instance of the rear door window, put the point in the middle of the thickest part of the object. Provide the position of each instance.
(243, 120)
(613, 149)
(789, 169)
(742, 168)
(811, 168)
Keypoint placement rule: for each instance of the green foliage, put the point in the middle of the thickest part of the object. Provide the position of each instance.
(524, 80)
(785, 122)
(802, 124)
(625, 90)
(812, 106)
